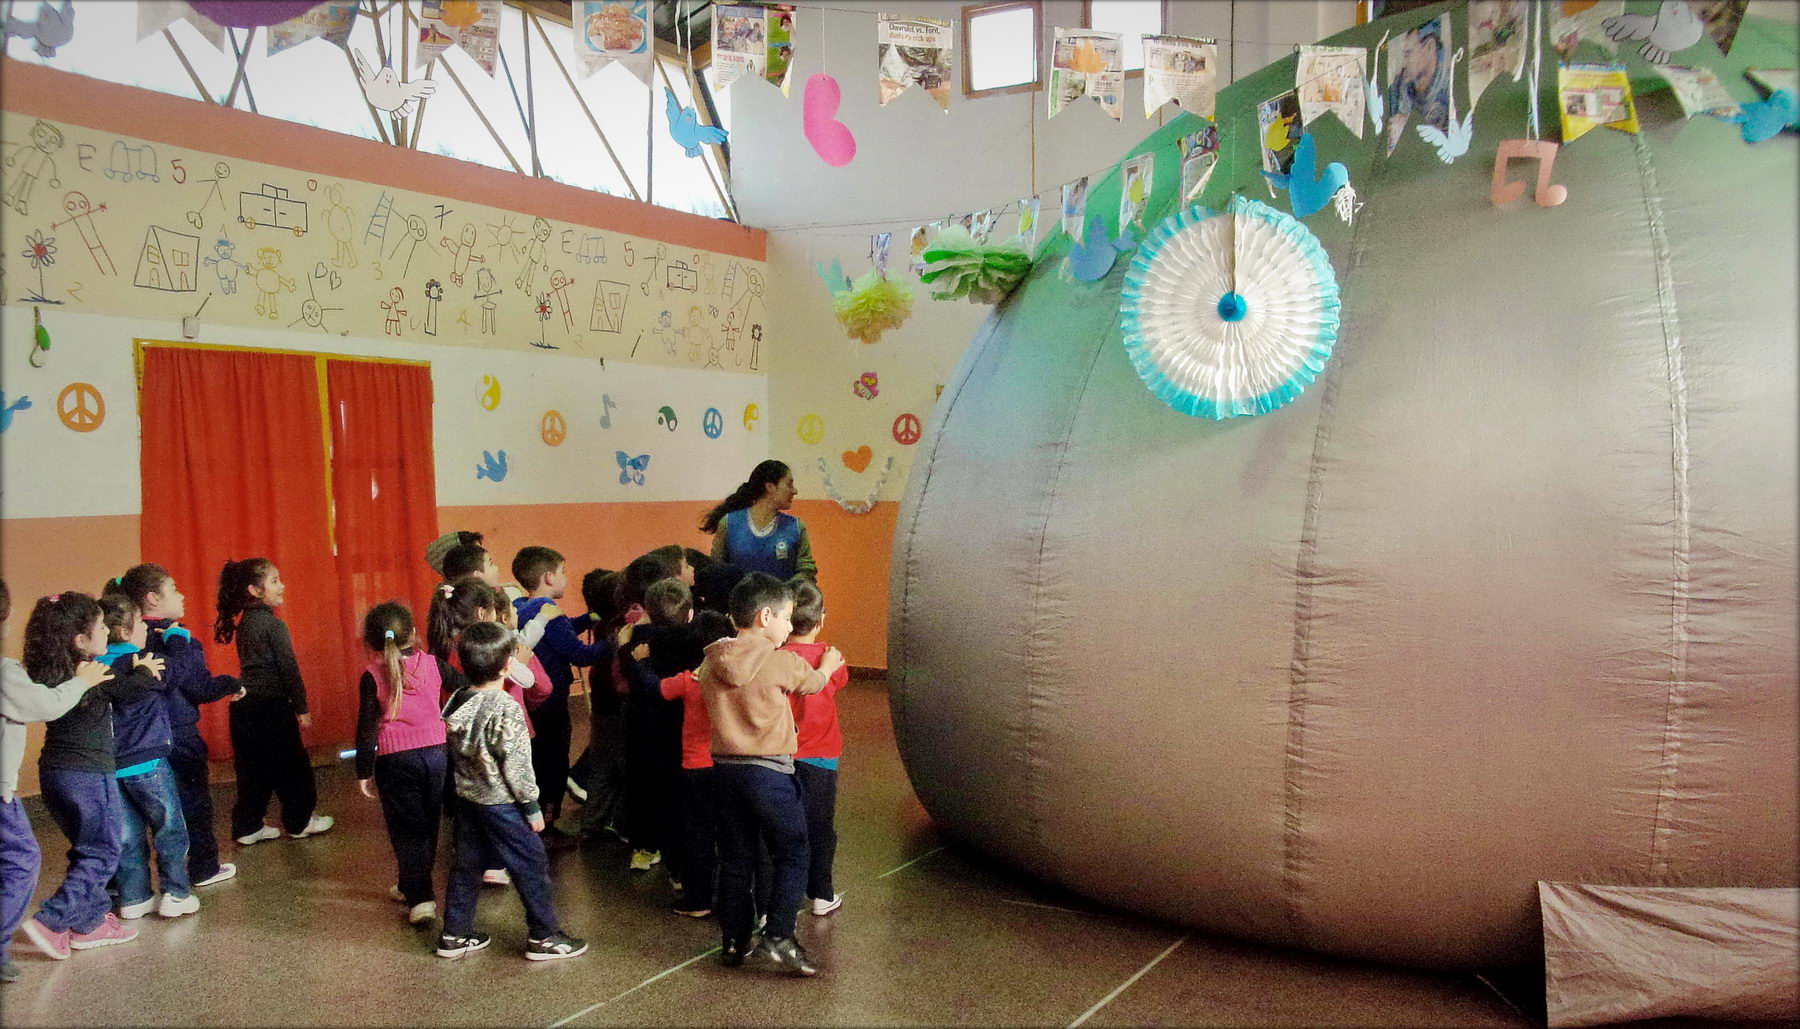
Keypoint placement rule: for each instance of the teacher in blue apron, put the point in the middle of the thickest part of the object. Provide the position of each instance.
(752, 530)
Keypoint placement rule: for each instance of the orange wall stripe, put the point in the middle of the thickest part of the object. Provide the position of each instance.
(62, 96)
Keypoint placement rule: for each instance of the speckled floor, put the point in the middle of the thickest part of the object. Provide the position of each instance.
(929, 934)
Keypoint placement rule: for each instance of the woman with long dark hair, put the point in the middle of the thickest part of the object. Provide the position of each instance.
(751, 530)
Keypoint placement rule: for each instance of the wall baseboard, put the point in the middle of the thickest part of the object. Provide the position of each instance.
(861, 672)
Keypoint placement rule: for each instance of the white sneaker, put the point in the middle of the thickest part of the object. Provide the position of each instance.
(496, 877)
(821, 908)
(174, 907)
(140, 909)
(422, 912)
(316, 825)
(576, 790)
(267, 832)
(226, 871)
(644, 860)
(394, 894)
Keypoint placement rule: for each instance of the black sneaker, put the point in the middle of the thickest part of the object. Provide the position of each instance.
(731, 953)
(784, 954)
(449, 946)
(554, 948)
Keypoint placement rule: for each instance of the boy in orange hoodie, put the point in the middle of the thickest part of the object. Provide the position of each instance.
(745, 682)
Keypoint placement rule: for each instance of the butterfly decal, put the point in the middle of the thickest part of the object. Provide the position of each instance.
(1453, 144)
(631, 469)
(1310, 188)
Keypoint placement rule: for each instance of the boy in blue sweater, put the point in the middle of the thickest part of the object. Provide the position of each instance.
(540, 573)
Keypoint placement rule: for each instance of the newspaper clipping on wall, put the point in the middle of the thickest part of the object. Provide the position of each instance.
(913, 52)
(1087, 63)
(1182, 69)
(613, 30)
(1329, 80)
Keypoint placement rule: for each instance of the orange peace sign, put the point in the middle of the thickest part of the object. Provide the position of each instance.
(81, 407)
(553, 428)
(906, 429)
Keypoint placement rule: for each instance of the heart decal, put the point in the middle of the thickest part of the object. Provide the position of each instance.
(830, 138)
(858, 460)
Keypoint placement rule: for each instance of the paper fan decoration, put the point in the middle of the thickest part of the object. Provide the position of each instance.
(958, 265)
(1229, 313)
(872, 305)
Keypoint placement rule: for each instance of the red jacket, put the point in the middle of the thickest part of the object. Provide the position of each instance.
(816, 716)
(696, 727)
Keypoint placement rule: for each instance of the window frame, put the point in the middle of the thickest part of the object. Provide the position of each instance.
(972, 11)
(1087, 22)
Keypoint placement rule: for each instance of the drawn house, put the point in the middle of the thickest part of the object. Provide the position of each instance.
(270, 206)
(168, 261)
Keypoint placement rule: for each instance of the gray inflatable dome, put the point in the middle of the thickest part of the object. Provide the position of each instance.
(1507, 595)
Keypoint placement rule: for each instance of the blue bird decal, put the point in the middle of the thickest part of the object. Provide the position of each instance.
(491, 470)
(1093, 257)
(631, 469)
(685, 127)
(53, 28)
(1764, 119)
(1310, 190)
(6, 411)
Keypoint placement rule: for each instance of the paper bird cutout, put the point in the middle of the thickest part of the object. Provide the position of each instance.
(1093, 257)
(1309, 189)
(491, 469)
(685, 127)
(631, 469)
(1453, 144)
(6, 410)
(1377, 103)
(53, 28)
(1764, 119)
(1673, 27)
(386, 92)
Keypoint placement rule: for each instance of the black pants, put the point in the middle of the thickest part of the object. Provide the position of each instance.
(411, 786)
(696, 864)
(759, 802)
(187, 759)
(653, 773)
(486, 833)
(270, 759)
(818, 788)
(606, 761)
(550, 754)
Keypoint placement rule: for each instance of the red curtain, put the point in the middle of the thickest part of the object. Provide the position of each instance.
(233, 464)
(385, 490)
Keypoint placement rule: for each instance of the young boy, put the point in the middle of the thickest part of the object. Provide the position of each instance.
(497, 808)
(540, 573)
(697, 864)
(744, 682)
(821, 743)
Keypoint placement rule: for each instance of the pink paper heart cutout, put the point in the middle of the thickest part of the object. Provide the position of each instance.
(830, 138)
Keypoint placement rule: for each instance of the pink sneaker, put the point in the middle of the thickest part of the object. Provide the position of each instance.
(109, 931)
(53, 943)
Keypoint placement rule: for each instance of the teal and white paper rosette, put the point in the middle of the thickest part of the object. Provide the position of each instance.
(1209, 349)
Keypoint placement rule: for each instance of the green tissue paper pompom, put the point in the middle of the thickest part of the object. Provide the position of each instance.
(958, 265)
(872, 305)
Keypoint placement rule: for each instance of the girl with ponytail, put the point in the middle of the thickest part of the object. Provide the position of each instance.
(400, 756)
(751, 530)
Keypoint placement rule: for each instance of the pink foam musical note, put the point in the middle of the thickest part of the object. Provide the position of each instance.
(830, 138)
(1543, 151)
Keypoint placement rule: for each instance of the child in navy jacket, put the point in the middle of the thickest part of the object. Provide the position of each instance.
(540, 571)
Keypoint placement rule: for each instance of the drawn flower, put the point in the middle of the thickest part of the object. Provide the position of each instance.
(41, 249)
(543, 307)
(434, 290)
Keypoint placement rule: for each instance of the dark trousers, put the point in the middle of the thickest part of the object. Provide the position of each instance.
(755, 801)
(653, 774)
(188, 761)
(606, 761)
(411, 787)
(696, 863)
(818, 789)
(19, 861)
(550, 755)
(85, 806)
(270, 760)
(485, 832)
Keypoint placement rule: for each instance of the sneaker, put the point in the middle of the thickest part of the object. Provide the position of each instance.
(174, 907)
(138, 910)
(731, 953)
(554, 948)
(107, 933)
(494, 877)
(226, 871)
(576, 790)
(394, 894)
(315, 825)
(644, 860)
(691, 909)
(51, 941)
(784, 954)
(675, 884)
(9, 972)
(821, 908)
(267, 832)
(422, 912)
(449, 946)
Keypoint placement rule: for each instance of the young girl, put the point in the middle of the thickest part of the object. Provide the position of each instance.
(190, 684)
(22, 702)
(75, 769)
(266, 723)
(400, 754)
(149, 803)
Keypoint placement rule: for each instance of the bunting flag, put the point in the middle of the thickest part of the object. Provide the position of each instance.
(1697, 90)
(1330, 81)
(613, 30)
(1590, 95)
(156, 15)
(1497, 38)
(1181, 69)
(473, 25)
(1087, 63)
(1074, 207)
(1576, 20)
(1721, 18)
(753, 40)
(332, 21)
(913, 52)
(1028, 220)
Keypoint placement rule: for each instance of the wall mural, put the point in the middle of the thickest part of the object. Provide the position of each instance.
(116, 225)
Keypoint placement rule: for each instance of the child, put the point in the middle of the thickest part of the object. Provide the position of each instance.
(75, 769)
(541, 574)
(744, 682)
(141, 744)
(654, 651)
(190, 684)
(265, 725)
(602, 763)
(21, 702)
(696, 864)
(496, 801)
(400, 756)
(821, 743)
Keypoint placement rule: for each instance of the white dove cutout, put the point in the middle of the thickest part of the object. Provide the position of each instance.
(386, 92)
(1377, 100)
(1672, 28)
(1455, 143)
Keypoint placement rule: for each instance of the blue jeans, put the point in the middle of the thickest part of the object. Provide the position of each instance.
(85, 806)
(151, 804)
(754, 802)
(485, 832)
(19, 860)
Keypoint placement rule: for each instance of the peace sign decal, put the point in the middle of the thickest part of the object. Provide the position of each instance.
(81, 407)
(553, 428)
(714, 423)
(906, 430)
